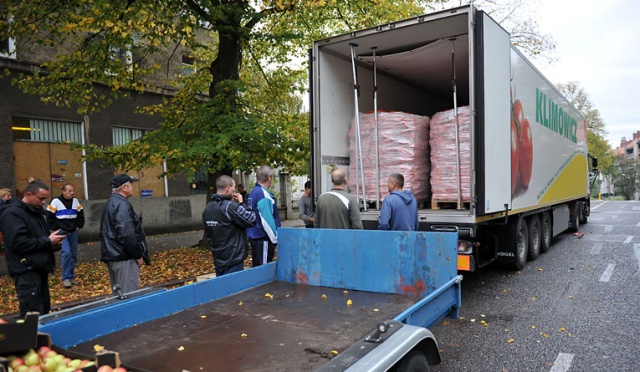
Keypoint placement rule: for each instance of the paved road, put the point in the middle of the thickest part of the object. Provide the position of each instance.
(573, 309)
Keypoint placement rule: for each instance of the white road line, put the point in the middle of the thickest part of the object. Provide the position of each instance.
(608, 228)
(598, 206)
(636, 248)
(638, 224)
(597, 247)
(562, 363)
(607, 273)
(628, 239)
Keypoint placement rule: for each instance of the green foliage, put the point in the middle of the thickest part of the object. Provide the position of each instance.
(626, 180)
(241, 107)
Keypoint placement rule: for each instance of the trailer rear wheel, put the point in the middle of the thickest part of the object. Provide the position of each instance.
(514, 244)
(583, 213)
(414, 361)
(534, 237)
(545, 232)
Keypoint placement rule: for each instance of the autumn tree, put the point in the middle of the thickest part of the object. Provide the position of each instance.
(596, 137)
(240, 108)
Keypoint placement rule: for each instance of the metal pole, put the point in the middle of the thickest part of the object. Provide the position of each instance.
(356, 91)
(455, 115)
(375, 120)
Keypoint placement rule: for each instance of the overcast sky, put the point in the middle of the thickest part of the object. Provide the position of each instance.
(598, 45)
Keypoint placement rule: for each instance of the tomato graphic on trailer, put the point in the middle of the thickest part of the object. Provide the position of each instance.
(521, 149)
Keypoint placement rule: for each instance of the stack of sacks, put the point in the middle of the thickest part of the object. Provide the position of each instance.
(403, 148)
(444, 181)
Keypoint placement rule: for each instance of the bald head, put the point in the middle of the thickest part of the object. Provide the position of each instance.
(339, 178)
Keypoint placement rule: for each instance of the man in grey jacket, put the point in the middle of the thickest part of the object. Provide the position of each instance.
(304, 206)
(124, 246)
(337, 209)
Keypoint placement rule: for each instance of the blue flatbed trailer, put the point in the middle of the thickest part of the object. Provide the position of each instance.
(326, 293)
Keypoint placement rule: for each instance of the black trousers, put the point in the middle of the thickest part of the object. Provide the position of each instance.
(262, 251)
(32, 288)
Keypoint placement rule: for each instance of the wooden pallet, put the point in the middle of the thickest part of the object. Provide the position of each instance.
(449, 204)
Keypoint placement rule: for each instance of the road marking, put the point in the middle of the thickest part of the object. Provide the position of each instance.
(636, 208)
(636, 248)
(638, 224)
(597, 247)
(598, 206)
(562, 363)
(607, 273)
(628, 239)
(608, 228)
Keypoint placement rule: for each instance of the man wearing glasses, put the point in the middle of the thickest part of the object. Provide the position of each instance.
(29, 247)
(124, 246)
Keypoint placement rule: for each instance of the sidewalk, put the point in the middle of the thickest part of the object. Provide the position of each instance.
(90, 251)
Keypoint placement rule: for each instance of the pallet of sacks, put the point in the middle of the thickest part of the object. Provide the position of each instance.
(403, 148)
(444, 175)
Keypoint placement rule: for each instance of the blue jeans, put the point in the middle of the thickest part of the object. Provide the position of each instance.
(69, 255)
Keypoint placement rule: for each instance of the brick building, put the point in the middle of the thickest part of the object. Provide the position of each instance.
(35, 140)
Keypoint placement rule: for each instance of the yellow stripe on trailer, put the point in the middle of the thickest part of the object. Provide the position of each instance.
(564, 185)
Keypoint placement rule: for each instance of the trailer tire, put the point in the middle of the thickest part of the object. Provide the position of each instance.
(414, 361)
(514, 244)
(583, 213)
(534, 237)
(574, 217)
(545, 232)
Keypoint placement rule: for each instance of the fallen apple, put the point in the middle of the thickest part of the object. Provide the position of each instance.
(31, 358)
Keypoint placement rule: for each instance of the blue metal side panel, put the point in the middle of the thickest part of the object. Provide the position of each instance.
(415, 263)
(445, 301)
(74, 329)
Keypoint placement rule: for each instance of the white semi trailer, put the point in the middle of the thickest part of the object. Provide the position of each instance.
(520, 172)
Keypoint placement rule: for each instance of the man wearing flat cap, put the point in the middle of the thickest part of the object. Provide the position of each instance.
(124, 247)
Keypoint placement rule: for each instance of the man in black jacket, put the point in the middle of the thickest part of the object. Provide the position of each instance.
(225, 221)
(124, 246)
(29, 247)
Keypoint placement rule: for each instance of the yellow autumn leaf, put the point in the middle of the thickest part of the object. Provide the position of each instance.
(181, 348)
(98, 348)
(349, 302)
(244, 335)
(324, 296)
(562, 329)
(334, 352)
(511, 340)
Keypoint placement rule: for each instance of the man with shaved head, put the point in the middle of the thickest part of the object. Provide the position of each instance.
(337, 209)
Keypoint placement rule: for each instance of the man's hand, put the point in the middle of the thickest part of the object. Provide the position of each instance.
(56, 238)
(237, 198)
(140, 261)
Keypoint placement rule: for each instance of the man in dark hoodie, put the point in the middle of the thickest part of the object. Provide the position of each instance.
(29, 248)
(400, 209)
(225, 221)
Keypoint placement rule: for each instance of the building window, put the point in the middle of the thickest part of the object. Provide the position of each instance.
(122, 136)
(39, 130)
(188, 64)
(8, 45)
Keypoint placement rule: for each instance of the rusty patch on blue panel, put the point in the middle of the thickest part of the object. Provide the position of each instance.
(417, 288)
(301, 277)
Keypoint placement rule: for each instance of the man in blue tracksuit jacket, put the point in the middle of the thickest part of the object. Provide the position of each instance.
(400, 209)
(264, 235)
